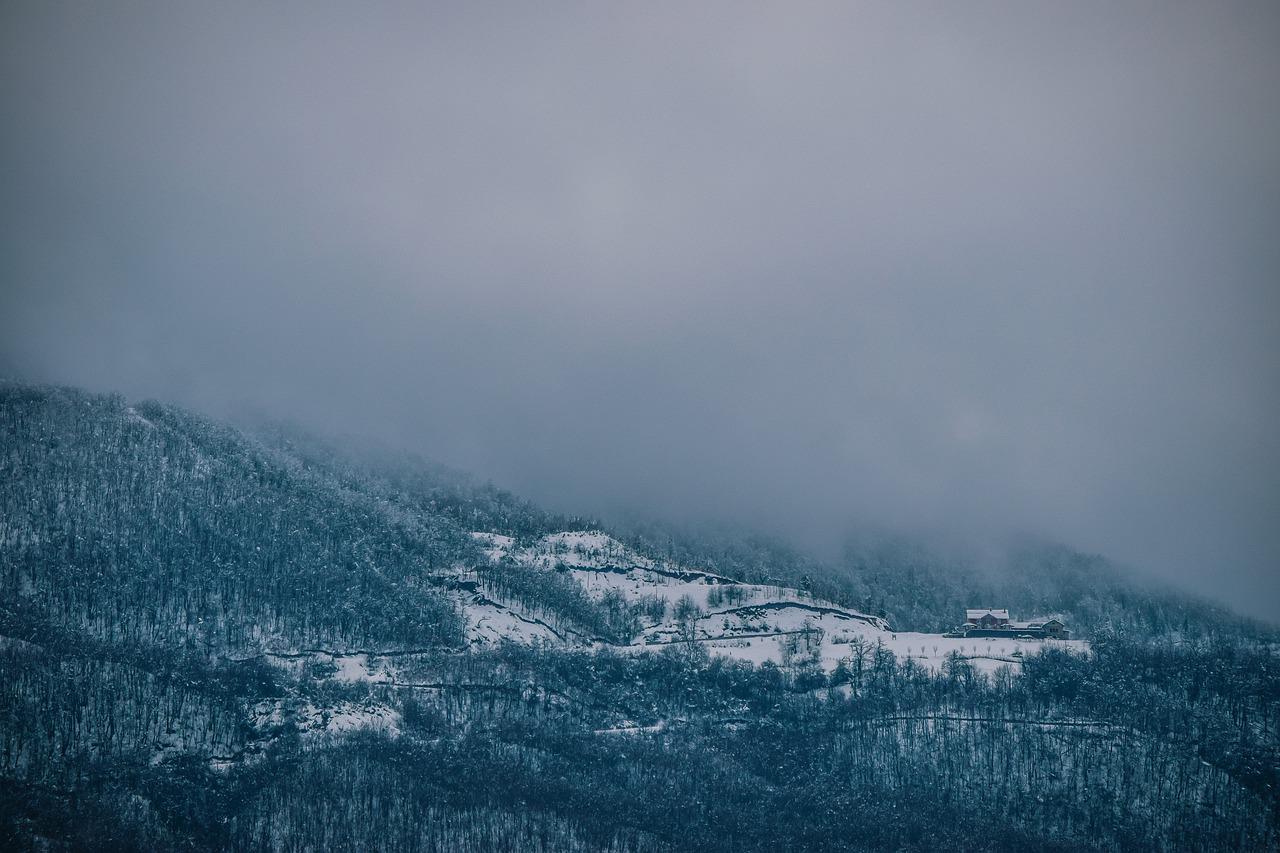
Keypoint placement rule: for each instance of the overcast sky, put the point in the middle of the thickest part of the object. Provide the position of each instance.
(954, 266)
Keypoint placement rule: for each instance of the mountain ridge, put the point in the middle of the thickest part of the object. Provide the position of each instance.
(215, 641)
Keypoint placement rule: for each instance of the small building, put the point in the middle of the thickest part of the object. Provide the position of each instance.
(996, 623)
(1056, 629)
(987, 619)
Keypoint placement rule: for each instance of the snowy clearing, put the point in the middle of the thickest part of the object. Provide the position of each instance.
(750, 622)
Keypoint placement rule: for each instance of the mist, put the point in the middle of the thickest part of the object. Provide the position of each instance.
(969, 268)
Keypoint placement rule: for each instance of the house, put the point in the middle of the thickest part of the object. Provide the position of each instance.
(987, 619)
(996, 623)
(1056, 629)
(1050, 628)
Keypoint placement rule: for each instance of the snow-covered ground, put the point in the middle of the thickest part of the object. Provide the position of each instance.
(311, 719)
(744, 621)
(928, 650)
(749, 622)
(490, 622)
(356, 668)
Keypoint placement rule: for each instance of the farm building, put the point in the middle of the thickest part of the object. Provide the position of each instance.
(996, 623)
(986, 619)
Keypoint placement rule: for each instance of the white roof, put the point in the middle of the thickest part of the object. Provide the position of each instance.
(975, 615)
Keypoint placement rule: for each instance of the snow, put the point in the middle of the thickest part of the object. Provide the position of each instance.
(637, 583)
(494, 545)
(311, 719)
(490, 623)
(352, 668)
(928, 650)
(602, 564)
(749, 622)
(136, 417)
(348, 668)
(771, 617)
(626, 727)
(348, 717)
(572, 548)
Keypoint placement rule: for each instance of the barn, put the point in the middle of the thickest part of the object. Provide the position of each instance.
(986, 619)
(987, 622)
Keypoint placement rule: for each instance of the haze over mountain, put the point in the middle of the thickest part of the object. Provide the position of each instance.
(984, 270)
(216, 640)
(639, 428)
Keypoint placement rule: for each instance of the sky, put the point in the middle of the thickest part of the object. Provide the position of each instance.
(977, 268)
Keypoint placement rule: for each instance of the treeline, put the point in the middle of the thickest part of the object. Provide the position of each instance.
(557, 597)
(914, 586)
(434, 491)
(412, 481)
(150, 525)
(147, 556)
(921, 588)
(1141, 746)
(888, 757)
(68, 715)
(147, 525)
(918, 587)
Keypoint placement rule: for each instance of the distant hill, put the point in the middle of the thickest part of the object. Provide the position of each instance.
(914, 586)
(917, 587)
(147, 525)
(930, 590)
(223, 639)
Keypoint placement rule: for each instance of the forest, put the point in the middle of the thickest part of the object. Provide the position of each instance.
(174, 593)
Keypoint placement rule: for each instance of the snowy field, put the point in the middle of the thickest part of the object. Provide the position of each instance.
(928, 650)
(748, 622)
(744, 621)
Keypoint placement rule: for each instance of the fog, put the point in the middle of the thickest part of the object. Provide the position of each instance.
(969, 268)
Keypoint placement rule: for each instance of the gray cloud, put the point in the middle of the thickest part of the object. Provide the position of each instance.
(963, 267)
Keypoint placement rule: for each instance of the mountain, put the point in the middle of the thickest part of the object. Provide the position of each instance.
(914, 586)
(214, 638)
(919, 587)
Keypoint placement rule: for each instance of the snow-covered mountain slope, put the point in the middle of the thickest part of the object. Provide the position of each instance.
(489, 621)
(677, 604)
(602, 565)
(670, 606)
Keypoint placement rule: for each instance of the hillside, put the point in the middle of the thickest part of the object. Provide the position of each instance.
(921, 588)
(913, 586)
(214, 639)
(147, 526)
